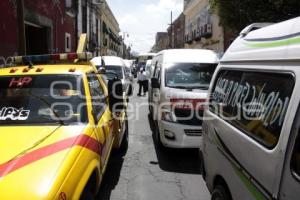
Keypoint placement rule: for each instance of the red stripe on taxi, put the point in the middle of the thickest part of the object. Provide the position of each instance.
(31, 157)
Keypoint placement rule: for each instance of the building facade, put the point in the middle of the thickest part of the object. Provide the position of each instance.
(37, 27)
(111, 41)
(176, 33)
(30, 27)
(161, 42)
(202, 27)
(96, 18)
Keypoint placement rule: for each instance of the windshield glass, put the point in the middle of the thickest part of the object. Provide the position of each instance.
(189, 75)
(43, 99)
(116, 69)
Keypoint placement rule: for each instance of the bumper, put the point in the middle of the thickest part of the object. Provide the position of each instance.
(185, 136)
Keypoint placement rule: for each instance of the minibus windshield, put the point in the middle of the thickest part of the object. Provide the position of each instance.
(115, 69)
(189, 75)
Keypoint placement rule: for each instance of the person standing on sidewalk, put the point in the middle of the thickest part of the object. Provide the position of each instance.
(142, 78)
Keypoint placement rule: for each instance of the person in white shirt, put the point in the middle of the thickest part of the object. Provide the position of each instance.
(142, 79)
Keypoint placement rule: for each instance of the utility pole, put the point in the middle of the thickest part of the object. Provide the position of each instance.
(172, 31)
(21, 28)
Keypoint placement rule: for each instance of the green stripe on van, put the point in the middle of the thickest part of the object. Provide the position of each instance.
(250, 186)
(278, 43)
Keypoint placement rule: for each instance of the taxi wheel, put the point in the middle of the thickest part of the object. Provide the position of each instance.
(125, 139)
(87, 195)
(130, 90)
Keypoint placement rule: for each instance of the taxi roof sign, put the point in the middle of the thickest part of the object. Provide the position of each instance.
(52, 57)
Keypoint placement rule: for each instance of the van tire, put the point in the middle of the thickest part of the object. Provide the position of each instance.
(158, 142)
(151, 110)
(220, 193)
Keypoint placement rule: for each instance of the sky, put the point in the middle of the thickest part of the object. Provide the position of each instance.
(142, 19)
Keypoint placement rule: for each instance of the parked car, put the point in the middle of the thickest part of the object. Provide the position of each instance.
(251, 143)
(180, 77)
(57, 128)
(116, 65)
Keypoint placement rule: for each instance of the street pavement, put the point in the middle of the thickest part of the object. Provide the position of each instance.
(147, 173)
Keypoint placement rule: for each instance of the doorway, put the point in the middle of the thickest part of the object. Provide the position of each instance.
(37, 38)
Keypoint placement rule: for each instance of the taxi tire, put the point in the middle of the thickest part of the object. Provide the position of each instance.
(130, 90)
(220, 193)
(125, 139)
(87, 195)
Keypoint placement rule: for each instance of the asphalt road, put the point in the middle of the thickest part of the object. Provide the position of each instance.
(146, 173)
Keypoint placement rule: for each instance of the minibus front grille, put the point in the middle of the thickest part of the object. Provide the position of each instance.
(189, 117)
(193, 132)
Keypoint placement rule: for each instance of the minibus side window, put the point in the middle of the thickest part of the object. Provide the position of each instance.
(254, 102)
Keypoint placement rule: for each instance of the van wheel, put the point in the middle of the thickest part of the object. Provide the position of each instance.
(220, 193)
(150, 110)
(158, 142)
(87, 195)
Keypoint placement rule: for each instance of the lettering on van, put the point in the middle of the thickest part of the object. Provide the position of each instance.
(10, 113)
(253, 100)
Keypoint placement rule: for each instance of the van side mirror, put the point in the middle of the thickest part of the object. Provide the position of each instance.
(155, 83)
(102, 70)
(115, 95)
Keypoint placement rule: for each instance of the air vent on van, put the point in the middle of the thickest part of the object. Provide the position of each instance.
(253, 27)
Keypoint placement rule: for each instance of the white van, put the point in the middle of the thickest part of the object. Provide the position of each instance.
(118, 66)
(251, 142)
(180, 80)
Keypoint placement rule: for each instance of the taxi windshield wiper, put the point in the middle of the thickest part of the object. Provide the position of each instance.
(60, 121)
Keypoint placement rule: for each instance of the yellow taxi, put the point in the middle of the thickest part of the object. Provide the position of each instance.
(57, 128)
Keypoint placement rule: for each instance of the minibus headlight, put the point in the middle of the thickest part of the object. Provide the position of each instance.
(168, 115)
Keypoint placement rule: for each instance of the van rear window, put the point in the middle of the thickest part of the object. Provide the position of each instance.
(254, 102)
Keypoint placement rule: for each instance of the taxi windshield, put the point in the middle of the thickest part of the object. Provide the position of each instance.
(42, 99)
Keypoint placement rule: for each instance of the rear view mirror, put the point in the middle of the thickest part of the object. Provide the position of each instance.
(115, 95)
(155, 83)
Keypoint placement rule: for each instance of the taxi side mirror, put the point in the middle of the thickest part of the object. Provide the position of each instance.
(115, 95)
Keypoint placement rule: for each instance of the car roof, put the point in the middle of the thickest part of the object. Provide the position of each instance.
(279, 41)
(48, 69)
(97, 61)
(189, 56)
(113, 60)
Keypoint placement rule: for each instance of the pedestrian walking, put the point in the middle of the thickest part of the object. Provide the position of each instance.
(142, 78)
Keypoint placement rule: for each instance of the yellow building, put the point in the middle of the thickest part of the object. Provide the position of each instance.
(111, 41)
(202, 28)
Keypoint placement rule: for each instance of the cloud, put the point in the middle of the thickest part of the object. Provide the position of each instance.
(164, 6)
(127, 20)
(142, 19)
